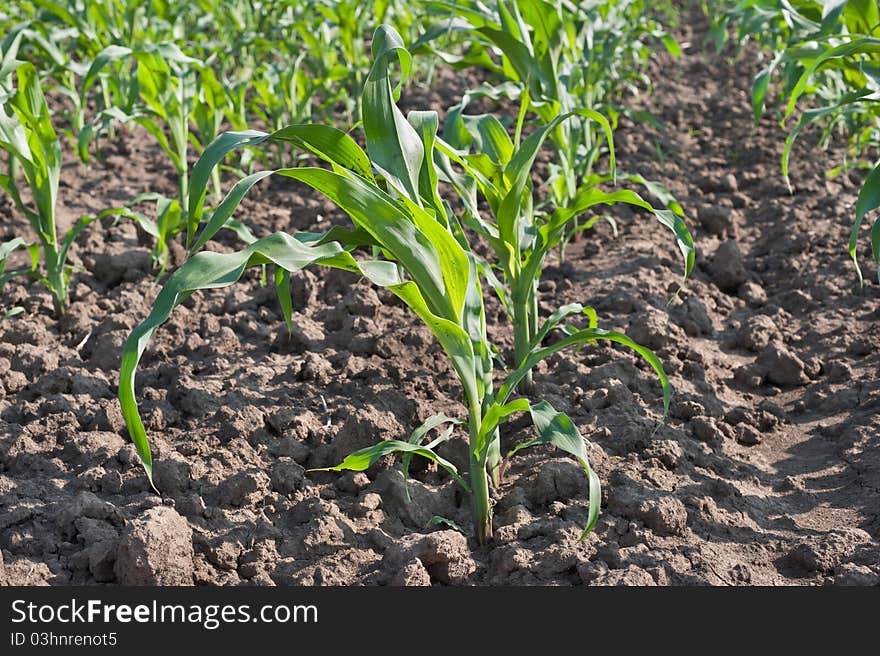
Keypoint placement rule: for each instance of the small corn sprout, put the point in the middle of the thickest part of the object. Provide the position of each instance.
(27, 136)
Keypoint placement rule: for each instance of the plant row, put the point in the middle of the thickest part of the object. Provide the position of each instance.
(826, 55)
(419, 196)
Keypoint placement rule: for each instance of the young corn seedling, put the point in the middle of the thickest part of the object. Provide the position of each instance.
(521, 236)
(33, 149)
(40, 42)
(831, 52)
(34, 154)
(172, 89)
(421, 255)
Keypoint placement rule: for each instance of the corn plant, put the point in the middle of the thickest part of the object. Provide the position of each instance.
(170, 94)
(34, 154)
(40, 42)
(66, 36)
(420, 254)
(32, 146)
(500, 171)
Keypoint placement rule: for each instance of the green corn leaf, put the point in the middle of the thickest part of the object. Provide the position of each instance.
(330, 144)
(516, 52)
(362, 459)
(495, 416)
(592, 196)
(577, 339)
(489, 137)
(11, 312)
(282, 288)
(208, 270)
(224, 210)
(761, 85)
(656, 189)
(437, 519)
(812, 115)
(558, 429)
(866, 45)
(43, 150)
(393, 144)
(520, 167)
(418, 436)
(215, 153)
(427, 124)
(868, 200)
(7, 247)
(554, 320)
(108, 55)
(424, 248)
(427, 251)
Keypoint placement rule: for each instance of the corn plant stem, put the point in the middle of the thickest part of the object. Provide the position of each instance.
(480, 497)
(184, 187)
(218, 189)
(107, 99)
(524, 304)
(55, 277)
(533, 313)
(521, 117)
(479, 481)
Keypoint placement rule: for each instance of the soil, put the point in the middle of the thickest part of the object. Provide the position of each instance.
(766, 472)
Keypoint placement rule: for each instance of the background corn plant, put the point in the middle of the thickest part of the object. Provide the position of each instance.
(34, 156)
(556, 59)
(421, 254)
(829, 54)
(500, 171)
(184, 70)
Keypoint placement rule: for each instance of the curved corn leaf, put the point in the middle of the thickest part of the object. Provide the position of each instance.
(592, 196)
(761, 85)
(208, 270)
(554, 320)
(6, 249)
(330, 144)
(427, 124)
(108, 55)
(494, 416)
(393, 144)
(363, 458)
(558, 429)
(869, 200)
(437, 519)
(418, 436)
(428, 252)
(865, 45)
(224, 210)
(580, 338)
(812, 115)
(518, 172)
